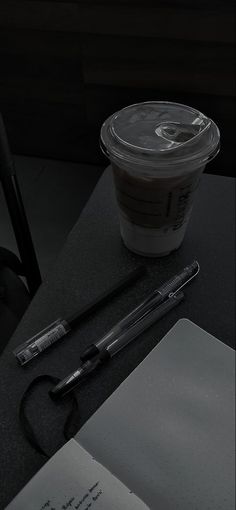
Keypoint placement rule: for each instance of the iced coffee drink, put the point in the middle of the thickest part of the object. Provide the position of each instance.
(158, 152)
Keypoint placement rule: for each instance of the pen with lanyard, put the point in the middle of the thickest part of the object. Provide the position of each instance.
(149, 311)
(148, 318)
(154, 299)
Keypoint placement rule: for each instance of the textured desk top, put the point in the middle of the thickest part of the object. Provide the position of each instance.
(93, 258)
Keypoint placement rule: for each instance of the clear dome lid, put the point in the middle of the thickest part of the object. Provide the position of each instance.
(158, 131)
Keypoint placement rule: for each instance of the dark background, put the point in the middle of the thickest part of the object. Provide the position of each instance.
(66, 65)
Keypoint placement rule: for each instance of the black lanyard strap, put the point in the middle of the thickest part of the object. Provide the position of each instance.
(71, 424)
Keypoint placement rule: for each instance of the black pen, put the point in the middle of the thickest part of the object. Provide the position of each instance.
(89, 366)
(59, 328)
(155, 298)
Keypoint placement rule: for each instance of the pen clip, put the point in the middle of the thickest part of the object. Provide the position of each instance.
(187, 281)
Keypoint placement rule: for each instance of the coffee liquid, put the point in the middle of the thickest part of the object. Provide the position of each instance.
(154, 202)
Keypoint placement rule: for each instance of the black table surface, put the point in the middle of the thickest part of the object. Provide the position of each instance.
(92, 259)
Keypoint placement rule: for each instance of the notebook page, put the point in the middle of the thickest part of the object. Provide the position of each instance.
(73, 480)
(168, 431)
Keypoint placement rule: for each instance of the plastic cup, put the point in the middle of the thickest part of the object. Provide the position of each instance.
(158, 151)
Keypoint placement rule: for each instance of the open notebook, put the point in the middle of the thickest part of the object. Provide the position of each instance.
(164, 440)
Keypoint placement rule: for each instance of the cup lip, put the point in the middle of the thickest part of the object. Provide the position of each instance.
(113, 150)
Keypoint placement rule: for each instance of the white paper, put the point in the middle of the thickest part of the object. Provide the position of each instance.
(73, 480)
(168, 432)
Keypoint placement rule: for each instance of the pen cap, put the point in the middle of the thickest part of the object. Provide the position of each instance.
(180, 280)
(151, 316)
(45, 338)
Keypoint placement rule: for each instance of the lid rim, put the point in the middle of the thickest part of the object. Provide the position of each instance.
(164, 164)
(161, 158)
